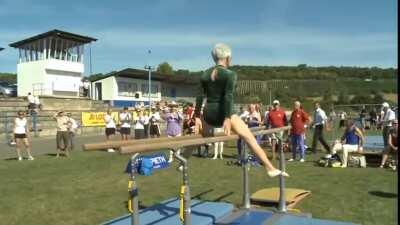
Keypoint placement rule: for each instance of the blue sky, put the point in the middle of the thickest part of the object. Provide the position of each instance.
(182, 32)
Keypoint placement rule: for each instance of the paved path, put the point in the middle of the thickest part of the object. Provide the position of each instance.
(47, 145)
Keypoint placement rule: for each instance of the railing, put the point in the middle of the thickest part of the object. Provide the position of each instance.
(136, 147)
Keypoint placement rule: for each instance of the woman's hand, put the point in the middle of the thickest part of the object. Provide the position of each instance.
(227, 126)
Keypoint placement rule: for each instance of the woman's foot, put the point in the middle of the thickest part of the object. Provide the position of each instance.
(381, 166)
(30, 158)
(276, 172)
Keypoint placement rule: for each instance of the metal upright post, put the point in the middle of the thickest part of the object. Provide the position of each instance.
(245, 171)
(282, 199)
(134, 193)
(186, 194)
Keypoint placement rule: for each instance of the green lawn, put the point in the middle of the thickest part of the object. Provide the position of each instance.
(90, 188)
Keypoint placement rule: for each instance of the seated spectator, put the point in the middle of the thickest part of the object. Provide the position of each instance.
(352, 141)
(392, 145)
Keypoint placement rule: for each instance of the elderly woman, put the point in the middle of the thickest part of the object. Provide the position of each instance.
(217, 86)
(174, 120)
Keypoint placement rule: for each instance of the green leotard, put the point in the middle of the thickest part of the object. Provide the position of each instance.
(219, 94)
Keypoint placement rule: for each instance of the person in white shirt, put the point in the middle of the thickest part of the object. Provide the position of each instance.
(86, 87)
(110, 127)
(319, 121)
(125, 119)
(31, 101)
(155, 119)
(387, 119)
(72, 129)
(21, 135)
(138, 124)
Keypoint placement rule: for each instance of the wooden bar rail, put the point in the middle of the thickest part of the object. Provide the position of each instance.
(174, 143)
(118, 144)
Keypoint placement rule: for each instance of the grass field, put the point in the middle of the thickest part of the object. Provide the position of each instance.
(90, 188)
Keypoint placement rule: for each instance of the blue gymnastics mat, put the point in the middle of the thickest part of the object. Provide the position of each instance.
(167, 213)
(261, 217)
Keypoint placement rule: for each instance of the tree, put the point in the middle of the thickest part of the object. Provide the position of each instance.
(165, 68)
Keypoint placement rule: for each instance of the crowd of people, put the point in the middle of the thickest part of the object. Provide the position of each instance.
(219, 116)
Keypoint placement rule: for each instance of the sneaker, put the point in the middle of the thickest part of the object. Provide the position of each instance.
(30, 158)
(301, 160)
(19, 158)
(180, 168)
(110, 150)
(291, 160)
(343, 166)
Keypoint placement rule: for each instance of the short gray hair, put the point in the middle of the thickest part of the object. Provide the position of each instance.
(221, 51)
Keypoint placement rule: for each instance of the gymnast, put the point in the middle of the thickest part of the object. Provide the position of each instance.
(217, 86)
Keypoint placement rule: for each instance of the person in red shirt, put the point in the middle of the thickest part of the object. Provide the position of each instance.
(276, 118)
(299, 121)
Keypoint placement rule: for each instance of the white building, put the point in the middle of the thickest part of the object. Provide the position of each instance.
(51, 64)
(129, 87)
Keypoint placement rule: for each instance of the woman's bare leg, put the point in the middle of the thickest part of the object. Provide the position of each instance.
(242, 130)
(28, 147)
(18, 147)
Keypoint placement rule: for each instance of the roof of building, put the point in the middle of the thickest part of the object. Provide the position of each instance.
(54, 33)
(144, 75)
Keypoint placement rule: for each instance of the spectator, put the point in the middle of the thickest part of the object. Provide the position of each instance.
(243, 115)
(298, 120)
(373, 117)
(72, 130)
(391, 145)
(342, 119)
(319, 122)
(387, 120)
(37, 102)
(125, 119)
(86, 88)
(254, 119)
(155, 123)
(267, 137)
(276, 118)
(363, 114)
(174, 119)
(138, 124)
(21, 135)
(110, 127)
(352, 141)
(62, 136)
(31, 101)
(146, 123)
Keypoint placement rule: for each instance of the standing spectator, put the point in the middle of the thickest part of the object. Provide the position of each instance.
(331, 119)
(31, 101)
(243, 115)
(254, 119)
(146, 123)
(86, 88)
(155, 123)
(72, 130)
(342, 119)
(138, 124)
(110, 127)
(388, 117)
(21, 135)
(391, 145)
(276, 118)
(352, 141)
(363, 114)
(319, 122)
(298, 120)
(125, 119)
(174, 128)
(37, 102)
(267, 137)
(373, 117)
(62, 136)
